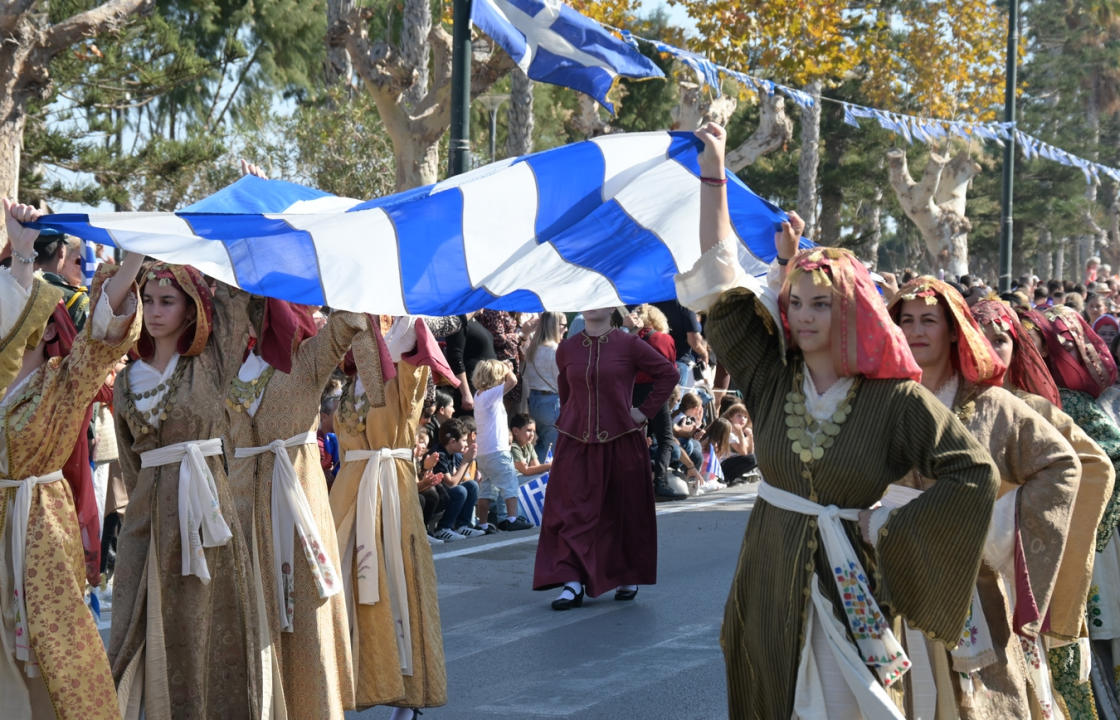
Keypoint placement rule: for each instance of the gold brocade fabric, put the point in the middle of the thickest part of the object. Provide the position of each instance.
(1033, 458)
(199, 647)
(928, 552)
(28, 329)
(1075, 573)
(315, 660)
(40, 426)
(377, 675)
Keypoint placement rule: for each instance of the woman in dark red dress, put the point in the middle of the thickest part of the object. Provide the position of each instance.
(599, 531)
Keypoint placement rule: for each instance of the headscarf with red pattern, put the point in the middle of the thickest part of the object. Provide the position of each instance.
(1027, 370)
(1077, 357)
(974, 358)
(190, 282)
(863, 339)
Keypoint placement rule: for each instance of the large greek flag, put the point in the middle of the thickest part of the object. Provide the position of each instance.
(553, 43)
(594, 224)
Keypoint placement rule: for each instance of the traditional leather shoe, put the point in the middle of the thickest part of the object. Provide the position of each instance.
(625, 595)
(567, 603)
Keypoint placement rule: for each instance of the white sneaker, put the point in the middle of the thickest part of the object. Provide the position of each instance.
(433, 540)
(468, 531)
(449, 535)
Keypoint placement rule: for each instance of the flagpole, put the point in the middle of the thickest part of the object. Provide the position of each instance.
(460, 147)
(1006, 238)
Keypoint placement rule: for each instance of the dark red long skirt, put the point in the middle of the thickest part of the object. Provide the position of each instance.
(599, 524)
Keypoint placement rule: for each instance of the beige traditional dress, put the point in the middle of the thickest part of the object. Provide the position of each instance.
(52, 660)
(23, 315)
(184, 638)
(391, 584)
(304, 605)
(999, 670)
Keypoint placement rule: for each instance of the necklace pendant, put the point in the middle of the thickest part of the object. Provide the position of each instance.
(818, 452)
(806, 456)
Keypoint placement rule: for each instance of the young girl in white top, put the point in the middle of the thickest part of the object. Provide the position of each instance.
(492, 379)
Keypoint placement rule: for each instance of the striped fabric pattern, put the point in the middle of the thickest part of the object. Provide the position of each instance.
(553, 43)
(592, 224)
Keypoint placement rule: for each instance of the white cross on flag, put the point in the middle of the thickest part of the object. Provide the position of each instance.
(553, 43)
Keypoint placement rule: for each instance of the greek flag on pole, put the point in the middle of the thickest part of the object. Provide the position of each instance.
(553, 43)
(599, 223)
(89, 262)
(531, 494)
(712, 468)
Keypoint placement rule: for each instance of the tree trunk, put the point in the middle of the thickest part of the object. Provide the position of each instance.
(1060, 260)
(774, 130)
(519, 115)
(337, 67)
(828, 226)
(697, 107)
(936, 204)
(810, 160)
(1045, 258)
(417, 162)
(416, 25)
(871, 230)
(11, 147)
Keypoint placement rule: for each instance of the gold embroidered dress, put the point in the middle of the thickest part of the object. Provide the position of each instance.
(181, 647)
(928, 552)
(41, 418)
(23, 315)
(366, 422)
(313, 653)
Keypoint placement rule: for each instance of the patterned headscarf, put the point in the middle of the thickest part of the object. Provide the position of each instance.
(1077, 357)
(974, 359)
(1028, 369)
(863, 339)
(190, 282)
(283, 328)
(1106, 319)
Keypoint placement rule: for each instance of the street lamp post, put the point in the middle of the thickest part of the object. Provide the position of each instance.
(1006, 238)
(493, 101)
(460, 145)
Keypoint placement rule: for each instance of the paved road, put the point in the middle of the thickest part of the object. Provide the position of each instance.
(510, 656)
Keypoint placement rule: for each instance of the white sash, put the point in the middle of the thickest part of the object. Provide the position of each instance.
(291, 514)
(379, 481)
(21, 512)
(877, 644)
(199, 512)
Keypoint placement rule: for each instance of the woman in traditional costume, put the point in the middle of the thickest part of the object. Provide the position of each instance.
(52, 662)
(599, 530)
(1066, 633)
(1083, 368)
(839, 417)
(996, 670)
(277, 481)
(185, 638)
(387, 567)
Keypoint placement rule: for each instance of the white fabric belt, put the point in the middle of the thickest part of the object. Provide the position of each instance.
(291, 515)
(199, 511)
(21, 513)
(877, 644)
(379, 481)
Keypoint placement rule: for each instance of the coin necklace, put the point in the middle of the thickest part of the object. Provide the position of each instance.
(164, 391)
(243, 393)
(811, 437)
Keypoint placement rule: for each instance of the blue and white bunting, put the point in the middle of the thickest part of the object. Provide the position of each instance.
(593, 224)
(553, 43)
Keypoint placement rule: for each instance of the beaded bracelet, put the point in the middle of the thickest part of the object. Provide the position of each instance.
(25, 259)
(781, 260)
(713, 181)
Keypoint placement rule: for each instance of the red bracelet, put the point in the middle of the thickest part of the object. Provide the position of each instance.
(713, 181)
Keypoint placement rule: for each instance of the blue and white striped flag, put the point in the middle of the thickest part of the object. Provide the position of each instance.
(712, 468)
(595, 224)
(553, 43)
(89, 262)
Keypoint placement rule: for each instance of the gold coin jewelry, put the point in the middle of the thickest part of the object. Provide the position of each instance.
(811, 437)
(243, 393)
(164, 391)
(352, 410)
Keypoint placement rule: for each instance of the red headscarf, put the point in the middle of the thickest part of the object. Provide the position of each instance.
(975, 359)
(1028, 369)
(284, 327)
(1106, 319)
(1077, 357)
(190, 282)
(864, 340)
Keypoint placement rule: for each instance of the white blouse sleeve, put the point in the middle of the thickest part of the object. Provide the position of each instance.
(717, 271)
(13, 299)
(107, 325)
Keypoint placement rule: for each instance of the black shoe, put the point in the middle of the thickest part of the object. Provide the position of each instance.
(565, 603)
(625, 595)
(518, 523)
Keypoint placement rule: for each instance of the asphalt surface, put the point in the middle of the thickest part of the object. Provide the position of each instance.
(510, 655)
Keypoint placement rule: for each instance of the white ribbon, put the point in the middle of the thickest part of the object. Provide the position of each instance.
(199, 511)
(379, 482)
(291, 515)
(877, 644)
(21, 513)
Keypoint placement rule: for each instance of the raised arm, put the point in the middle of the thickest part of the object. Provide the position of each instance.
(715, 217)
(22, 240)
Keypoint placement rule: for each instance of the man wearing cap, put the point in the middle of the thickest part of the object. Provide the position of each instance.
(59, 258)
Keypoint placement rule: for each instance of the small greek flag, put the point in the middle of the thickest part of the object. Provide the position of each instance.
(712, 468)
(531, 495)
(89, 261)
